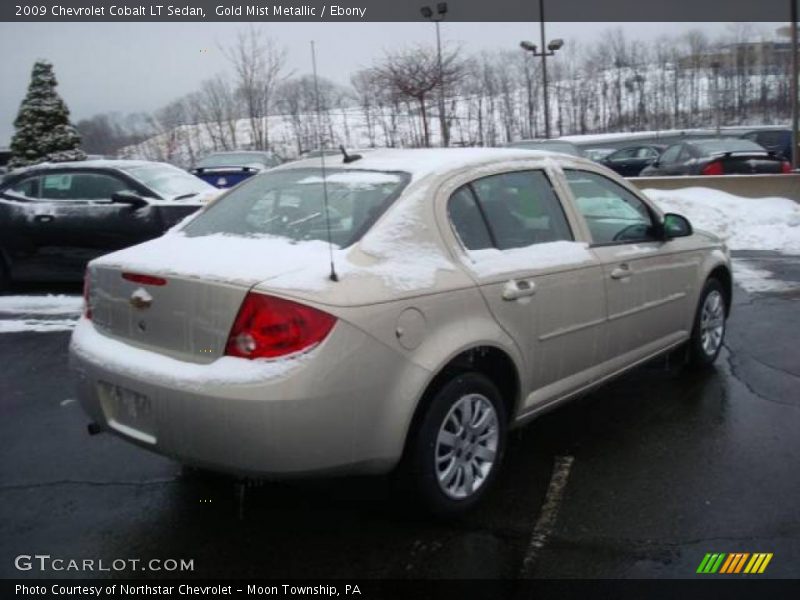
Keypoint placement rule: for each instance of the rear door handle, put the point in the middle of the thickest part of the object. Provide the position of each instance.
(623, 271)
(515, 289)
(44, 218)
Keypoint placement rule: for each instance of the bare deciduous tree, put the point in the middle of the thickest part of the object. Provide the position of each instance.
(259, 66)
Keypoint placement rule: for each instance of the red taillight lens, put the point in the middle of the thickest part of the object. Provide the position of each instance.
(87, 308)
(713, 168)
(144, 279)
(786, 167)
(268, 327)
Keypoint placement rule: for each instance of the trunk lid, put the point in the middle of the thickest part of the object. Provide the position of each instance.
(745, 163)
(200, 284)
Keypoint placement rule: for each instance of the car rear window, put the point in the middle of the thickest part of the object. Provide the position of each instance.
(242, 159)
(732, 145)
(290, 204)
(169, 182)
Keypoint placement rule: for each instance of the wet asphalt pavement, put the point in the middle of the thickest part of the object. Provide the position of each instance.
(667, 466)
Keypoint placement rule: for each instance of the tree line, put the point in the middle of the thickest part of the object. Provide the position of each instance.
(611, 85)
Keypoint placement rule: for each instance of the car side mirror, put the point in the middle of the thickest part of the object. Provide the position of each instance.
(676, 226)
(656, 163)
(129, 198)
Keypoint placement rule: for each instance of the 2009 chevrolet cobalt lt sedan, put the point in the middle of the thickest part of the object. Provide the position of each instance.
(401, 310)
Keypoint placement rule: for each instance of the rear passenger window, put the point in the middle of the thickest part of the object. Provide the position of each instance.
(467, 220)
(521, 209)
(25, 188)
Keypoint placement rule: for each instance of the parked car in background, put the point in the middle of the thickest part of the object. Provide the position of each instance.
(597, 154)
(561, 146)
(717, 156)
(56, 217)
(630, 161)
(474, 289)
(226, 169)
(778, 141)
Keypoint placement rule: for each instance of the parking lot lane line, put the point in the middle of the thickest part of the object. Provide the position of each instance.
(548, 515)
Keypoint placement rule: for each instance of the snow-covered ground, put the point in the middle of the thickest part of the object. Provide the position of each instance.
(39, 313)
(771, 224)
(744, 223)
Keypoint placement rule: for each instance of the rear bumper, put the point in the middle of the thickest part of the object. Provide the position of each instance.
(341, 408)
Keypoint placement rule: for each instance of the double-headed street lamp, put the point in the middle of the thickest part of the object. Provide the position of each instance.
(441, 11)
(550, 51)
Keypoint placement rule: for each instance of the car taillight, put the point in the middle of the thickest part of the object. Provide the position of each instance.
(144, 279)
(87, 308)
(268, 327)
(713, 168)
(786, 167)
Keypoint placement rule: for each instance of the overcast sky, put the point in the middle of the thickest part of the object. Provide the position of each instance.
(132, 67)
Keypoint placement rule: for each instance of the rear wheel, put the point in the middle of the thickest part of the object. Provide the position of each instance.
(708, 332)
(455, 453)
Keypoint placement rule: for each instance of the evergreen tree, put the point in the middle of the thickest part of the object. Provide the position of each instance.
(43, 131)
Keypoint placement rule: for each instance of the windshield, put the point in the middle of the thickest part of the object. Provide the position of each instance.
(732, 145)
(169, 182)
(237, 159)
(289, 203)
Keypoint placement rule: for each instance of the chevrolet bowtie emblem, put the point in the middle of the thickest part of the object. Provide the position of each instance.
(141, 299)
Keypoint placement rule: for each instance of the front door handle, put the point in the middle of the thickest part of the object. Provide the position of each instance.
(623, 271)
(44, 218)
(521, 288)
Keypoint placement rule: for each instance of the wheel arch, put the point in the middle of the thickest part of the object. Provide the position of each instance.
(722, 273)
(488, 359)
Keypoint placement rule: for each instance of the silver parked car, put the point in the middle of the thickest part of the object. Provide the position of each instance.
(463, 292)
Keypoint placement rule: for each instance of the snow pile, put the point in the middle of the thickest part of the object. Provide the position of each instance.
(41, 305)
(754, 279)
(134, 362)
(40, 314)
(539, 256)
(36, 325)
(744, 223)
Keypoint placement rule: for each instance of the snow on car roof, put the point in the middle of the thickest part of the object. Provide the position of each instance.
(104, 163)
(422, 162)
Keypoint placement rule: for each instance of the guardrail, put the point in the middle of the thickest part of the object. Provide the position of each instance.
(748, 186)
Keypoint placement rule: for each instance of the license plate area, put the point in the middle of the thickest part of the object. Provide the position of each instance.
(129, 412)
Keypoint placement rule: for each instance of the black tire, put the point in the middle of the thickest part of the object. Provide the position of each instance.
(700, 354)
(420, 470)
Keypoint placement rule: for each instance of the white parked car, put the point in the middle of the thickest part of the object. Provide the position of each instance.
(463, 293)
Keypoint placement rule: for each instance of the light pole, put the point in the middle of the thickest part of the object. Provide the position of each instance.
(795, 74)
(550, 51)
(441, 11)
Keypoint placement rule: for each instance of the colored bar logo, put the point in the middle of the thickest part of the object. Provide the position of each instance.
(734, 563)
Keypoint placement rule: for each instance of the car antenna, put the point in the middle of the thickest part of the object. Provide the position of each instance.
(348, 158)
(333, 275)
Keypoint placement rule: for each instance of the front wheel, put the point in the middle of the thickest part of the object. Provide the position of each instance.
(708, 332)
(456, 451)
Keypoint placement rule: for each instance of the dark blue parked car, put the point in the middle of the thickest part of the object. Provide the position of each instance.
(778, 141)
(226, 169)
